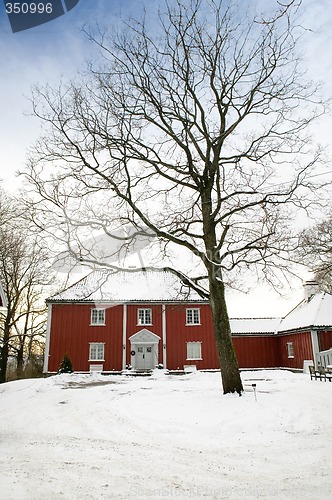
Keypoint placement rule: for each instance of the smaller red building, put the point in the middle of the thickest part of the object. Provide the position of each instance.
(110, 320)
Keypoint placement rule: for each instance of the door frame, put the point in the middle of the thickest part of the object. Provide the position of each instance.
(144, 338)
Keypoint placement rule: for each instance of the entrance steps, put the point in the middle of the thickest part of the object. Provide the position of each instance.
(137, 373)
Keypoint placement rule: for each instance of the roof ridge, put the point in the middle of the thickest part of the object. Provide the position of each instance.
(128, 285)
(259, 317)
(319, 306)
(294, 308)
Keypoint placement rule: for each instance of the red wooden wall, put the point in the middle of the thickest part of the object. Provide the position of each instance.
(325, 340)
(256, 351)
(178, 334)
(71, 333)
(302, 346)
(133, 327)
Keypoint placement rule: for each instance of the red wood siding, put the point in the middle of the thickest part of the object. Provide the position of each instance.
(252, 352)
(325, 340)
(71, 333)
(133, 327)
(302, 346)
(178, 334)
(256, 352)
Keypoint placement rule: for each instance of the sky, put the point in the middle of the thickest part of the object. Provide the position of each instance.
(37, 56)
(58, 49)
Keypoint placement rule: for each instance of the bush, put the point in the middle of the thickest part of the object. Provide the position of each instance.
(66, 365)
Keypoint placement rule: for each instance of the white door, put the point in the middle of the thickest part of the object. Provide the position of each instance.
(144, 357)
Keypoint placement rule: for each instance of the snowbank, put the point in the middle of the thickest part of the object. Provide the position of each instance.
(164, 437)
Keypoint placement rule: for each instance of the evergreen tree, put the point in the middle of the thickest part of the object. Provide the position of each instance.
(66, 365)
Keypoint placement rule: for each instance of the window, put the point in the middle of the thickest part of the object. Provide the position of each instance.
(290, 349)
(97, 316)
(144, 316)
(194, 350)
(193, 317)
(96, 352)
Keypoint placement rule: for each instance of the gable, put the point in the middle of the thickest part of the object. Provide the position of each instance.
(144, 337)
(313, 313)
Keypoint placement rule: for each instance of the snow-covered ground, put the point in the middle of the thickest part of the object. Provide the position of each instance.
(166, 437)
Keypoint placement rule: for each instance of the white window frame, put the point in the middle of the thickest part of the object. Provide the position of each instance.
(99, 348)
(290, 350)
(144, 316)
(100, 314)
(193, 316)
(194, 351)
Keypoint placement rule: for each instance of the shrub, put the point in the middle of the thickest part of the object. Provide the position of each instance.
(66, 365)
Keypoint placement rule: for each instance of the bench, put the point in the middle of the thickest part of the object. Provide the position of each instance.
(320, 373)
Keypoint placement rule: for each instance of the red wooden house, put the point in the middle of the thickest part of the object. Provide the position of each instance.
(110, 320)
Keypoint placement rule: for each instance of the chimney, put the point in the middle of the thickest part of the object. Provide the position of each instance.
(310, 289)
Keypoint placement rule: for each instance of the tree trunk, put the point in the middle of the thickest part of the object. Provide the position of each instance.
(4, 354)
(20, 363)
(230, 374)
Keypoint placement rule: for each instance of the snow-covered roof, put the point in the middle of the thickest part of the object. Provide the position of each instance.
(315, 312)
(128, 286)
(254, 325)
(164, 286)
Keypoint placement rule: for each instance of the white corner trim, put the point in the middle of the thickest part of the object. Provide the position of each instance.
(163, 333)
(124, 336)
(48, 338)
(315, 346)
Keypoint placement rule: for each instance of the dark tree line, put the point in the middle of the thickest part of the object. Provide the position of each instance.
(24, 275)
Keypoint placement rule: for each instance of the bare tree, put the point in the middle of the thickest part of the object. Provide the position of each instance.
(23, 274)
(195, 132)
(315, 251)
